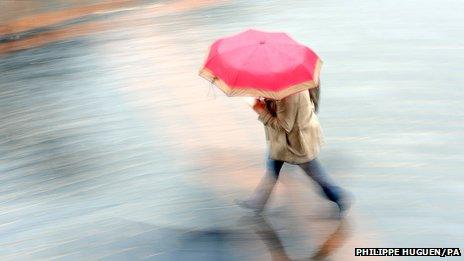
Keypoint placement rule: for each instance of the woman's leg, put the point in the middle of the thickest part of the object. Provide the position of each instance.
(316, 172)
(264, 189)
(266, 185)
(273, 167)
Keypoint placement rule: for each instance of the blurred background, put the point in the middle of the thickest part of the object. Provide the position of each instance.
(112, 147)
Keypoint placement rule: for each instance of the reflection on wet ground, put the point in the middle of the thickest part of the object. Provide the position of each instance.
(276, 248)
(111, 146)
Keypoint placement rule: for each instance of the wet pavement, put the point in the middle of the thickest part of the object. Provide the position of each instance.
(113, 148)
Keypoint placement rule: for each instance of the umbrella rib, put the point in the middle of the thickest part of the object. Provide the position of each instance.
(269, 62)
(292, 57)
(284, 53)
(295, 44)
(229, 51)
(244, 63)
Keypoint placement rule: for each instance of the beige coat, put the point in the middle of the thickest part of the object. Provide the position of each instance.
(294, 135)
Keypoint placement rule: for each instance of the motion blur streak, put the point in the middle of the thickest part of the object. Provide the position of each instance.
(112, 147)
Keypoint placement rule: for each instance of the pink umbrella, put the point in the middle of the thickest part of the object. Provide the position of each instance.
(261, 64)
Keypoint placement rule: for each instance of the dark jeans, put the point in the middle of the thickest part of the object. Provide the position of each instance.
(313, 169)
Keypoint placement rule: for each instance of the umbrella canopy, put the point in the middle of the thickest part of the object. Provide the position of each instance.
(261, 64)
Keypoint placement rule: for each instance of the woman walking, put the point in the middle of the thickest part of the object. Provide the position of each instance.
(273, 65)
(294, 136)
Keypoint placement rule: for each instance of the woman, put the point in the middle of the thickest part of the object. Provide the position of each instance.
(294, 136)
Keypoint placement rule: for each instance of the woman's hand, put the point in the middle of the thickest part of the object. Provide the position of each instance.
(258, 106)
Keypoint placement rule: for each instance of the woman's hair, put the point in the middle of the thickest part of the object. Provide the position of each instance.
(315, 94)
(271, 106)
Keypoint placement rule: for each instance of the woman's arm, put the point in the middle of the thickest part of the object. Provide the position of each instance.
(286, 113)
